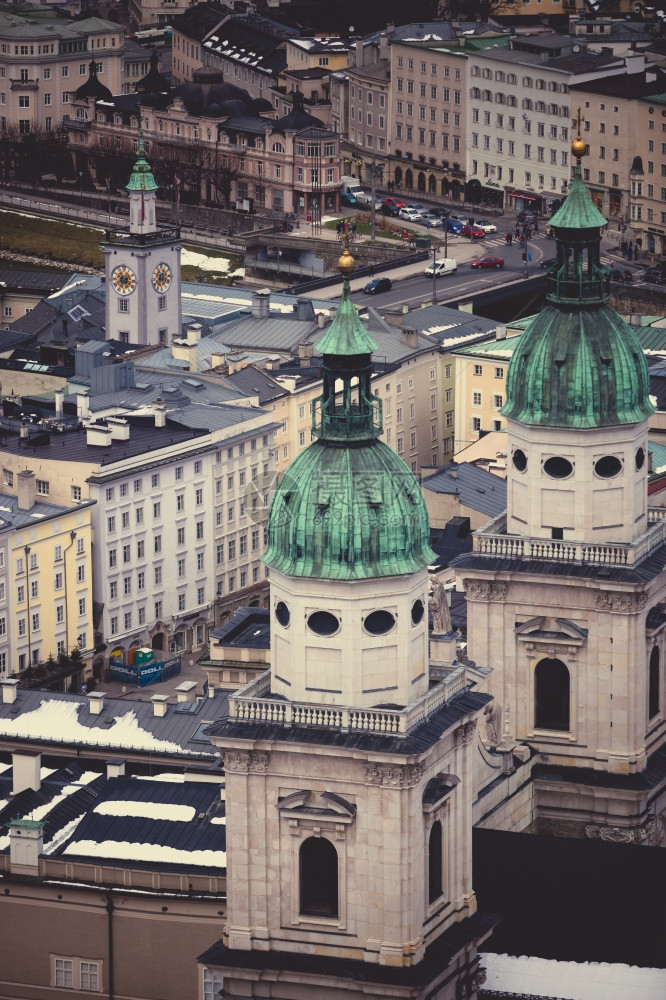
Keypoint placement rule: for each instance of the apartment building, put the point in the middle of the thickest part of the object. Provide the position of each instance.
(44, 59)
(609, 107)
(520, 117)
(647, 208)
(46, 580)
(480, 375)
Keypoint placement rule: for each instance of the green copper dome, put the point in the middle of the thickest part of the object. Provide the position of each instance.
(578, 364)
(578, 368)
(348, 508)
(142, 176)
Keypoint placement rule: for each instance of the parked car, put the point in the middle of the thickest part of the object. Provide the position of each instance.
(453, 226)
(443, 213)
(548, 262)
(378, 285)
(394, 201)
(462, 219)
(488, 227)
(655, 275)
(446, 265)
(474, 231)
(427, 218)
(410, 214)
(488, 262)
(390, 210)
(524, 217)
(348, 200)
(621, 274)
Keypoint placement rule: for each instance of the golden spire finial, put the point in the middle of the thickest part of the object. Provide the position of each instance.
(578, 146)
(346, 263)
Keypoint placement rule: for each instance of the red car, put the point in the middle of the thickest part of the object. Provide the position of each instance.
(474, 231)
(488, 262)
(394, 201)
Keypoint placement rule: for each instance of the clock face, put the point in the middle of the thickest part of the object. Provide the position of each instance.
(161, 277)
(123, 279)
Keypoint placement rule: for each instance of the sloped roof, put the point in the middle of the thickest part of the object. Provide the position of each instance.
(477, 488)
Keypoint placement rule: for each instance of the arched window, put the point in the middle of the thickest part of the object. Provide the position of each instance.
(653, 684)
(421, 181)
(432, 184)
(409, 179)
(319, 877)
(398, 176)
(551, 695)
(435, 862)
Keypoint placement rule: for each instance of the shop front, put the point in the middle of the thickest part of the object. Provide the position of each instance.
(522, 201)
(615, 203)
(484, 193)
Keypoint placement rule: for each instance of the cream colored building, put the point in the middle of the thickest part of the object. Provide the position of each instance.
(648, 176)
(480, 374)
(44, 60)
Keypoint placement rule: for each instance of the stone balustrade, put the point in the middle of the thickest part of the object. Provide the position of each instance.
(254, 704)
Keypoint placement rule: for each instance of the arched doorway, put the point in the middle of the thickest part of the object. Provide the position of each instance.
(551, 695)
(409, 179)
(421, 181)
(432, 184)
(158, 640)
(98, 668)
(398, 176)
(318, 862)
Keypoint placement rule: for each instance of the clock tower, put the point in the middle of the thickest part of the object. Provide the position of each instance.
(142, 268)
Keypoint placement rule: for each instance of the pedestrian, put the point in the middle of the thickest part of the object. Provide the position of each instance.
(623, 246)
(536, 227)
(629, 252)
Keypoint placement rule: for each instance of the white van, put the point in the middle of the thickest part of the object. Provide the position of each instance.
(446, 265)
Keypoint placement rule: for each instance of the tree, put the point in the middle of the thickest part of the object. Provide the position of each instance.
(111, 165)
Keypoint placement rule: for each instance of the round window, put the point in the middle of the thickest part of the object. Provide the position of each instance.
(379, 622)
(418, 610)
(520, 460)
(608, 466)
(640, 458)
(282, 613)
(323, 623)
(557, 467)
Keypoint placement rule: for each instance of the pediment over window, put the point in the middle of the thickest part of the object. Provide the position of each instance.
(309, 803)
(552, 630)
(438, 789)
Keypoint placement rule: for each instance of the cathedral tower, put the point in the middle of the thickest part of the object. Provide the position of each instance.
(566, 590)
(142, 268)
(349, 765)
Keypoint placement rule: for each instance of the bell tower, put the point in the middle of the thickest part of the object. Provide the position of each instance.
(142, 268)
(564, 590)
(349, 765)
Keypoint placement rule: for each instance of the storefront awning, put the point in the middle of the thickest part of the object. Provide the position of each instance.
(526, 195)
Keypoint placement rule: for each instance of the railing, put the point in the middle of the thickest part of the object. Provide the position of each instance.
(254, 704)
(494, 541)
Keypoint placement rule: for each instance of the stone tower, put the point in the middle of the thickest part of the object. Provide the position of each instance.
(349, 764)
(142, 268)
(566, 591)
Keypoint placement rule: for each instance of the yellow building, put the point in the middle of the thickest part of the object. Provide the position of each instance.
(480, 375)
(46, 599)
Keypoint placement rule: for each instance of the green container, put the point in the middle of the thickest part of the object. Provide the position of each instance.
(422, 243)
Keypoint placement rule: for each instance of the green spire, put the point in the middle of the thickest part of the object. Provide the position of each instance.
(348, 508)
(578, 364)
(142, 177)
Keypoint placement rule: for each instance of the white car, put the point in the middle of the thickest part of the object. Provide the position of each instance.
(488, 227)
(410, 214)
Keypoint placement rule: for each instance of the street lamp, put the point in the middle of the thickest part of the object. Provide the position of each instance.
(81, 183)
(434, 248)
(376, 173)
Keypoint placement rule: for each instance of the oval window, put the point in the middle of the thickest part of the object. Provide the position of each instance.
(418, 610)
(323, 623)
(640, 458)
(608, 466)
(557, 467)
(520, 460)
(282, 613)
(379, 622)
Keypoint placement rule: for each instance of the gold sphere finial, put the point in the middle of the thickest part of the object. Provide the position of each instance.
(578, 147)
(346, 263)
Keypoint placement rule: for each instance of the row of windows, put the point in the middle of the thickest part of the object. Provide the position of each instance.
(509, 122)
(35, 619)
(510, 150)
(369, 96)
(407, 133)
(433, 68)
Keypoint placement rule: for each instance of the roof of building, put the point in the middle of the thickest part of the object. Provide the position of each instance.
(93, 88)
(626, 85)
(450, 541)
(509, 974)
(43, 282)
(141, 178)
(477, 488)
(248, 628)
(13, 518)
(252, 380)
(298, 118)
(47, 718)
(449, 326)
(578, 211)
(250, 42)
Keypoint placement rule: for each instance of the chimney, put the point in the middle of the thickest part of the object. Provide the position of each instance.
(26, 765)
(394, 316)
(383, 46)
(26, 843)
(305, 355)
(9, 690)
(359, 51)
(181, 350)
(120, 429)
(24, 434)
(193, 331)
(500, 332)
(26, 489)
(321, 320)
(115, 768)
(98, 435)
(304, 310)
(159, 705)
(83, 407)
(159, 409)
(331, 312)
(409, 337)
(96, 701)
(261, 303)
(59, 399)
(186, 691)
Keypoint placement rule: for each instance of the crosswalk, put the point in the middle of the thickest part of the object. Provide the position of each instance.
(541, 238)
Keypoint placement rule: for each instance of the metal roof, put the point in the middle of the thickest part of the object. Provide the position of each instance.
(477, 488)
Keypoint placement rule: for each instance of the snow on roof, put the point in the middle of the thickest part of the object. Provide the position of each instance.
(574, 980)
(151, 853)
(58, 721)
(146, 810)
(41, 811)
